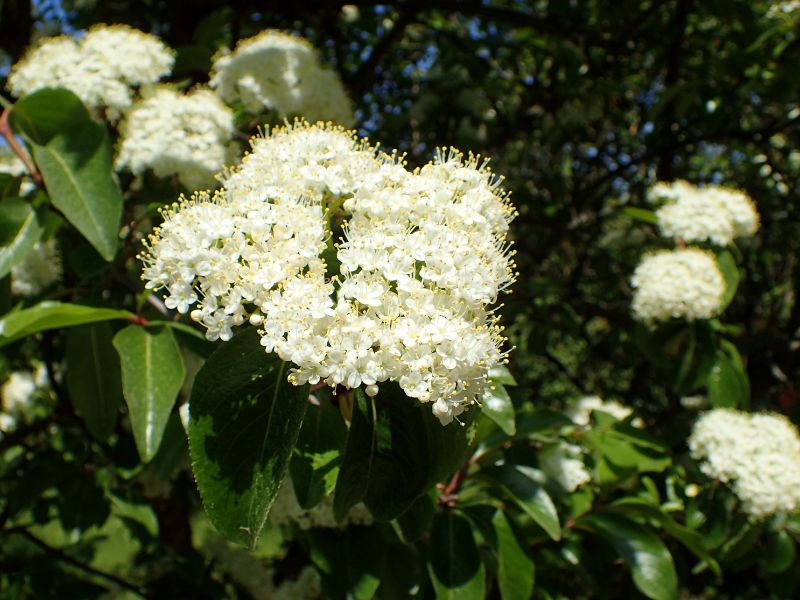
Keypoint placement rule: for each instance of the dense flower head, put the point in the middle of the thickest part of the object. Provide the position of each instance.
(177, 134)
(422, 256)
(281, 72)
(685, 283)
(39, 269)
(709, 214)
(757, 454)
(102, 68)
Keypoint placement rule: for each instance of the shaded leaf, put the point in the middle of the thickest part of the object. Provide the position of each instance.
(19, 231)
(350, 562)
(515, 569)
(244, 421)
(454, 563)
(731, 275)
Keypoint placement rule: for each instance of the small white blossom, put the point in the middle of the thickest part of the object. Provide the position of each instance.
(580, 412)
(281, 72)
(563, 463)
(712, 213)
(102, 68)
(684, 283)
(176, 134)
(39, 269)
(757, 454)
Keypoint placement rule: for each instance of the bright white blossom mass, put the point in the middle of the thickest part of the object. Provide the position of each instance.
(281, 72)
(37, 270)
(708, 214)
(173, 133)
(685, 283)
(580, 412)
(757, 454)
(563, 463)
(423, 254)
(102, 68)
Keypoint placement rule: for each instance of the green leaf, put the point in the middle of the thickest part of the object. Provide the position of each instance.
(524, 487)
(627, 447)
(515, 569)
(728, 384)
(454, 563)
(693, 540)
(19, 231)
(501, 374)
(731, 275)
(396, 450)
(315, 461)
(497, 405)
(245, 418)
(152, 376)
(93, 377)
(53, 315)
(781, 552)
(645, 554)
(73, 153)
(350, 562)
(641, 214)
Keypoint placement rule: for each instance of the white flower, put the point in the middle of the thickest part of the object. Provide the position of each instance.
(281, 72)
(176, 134)
(682, 284)
(563, 463)
(580, 412)
(423, 255)
(287, 511)
(101, 69)
(39, 269)
(713, 213)
(757, 454)
(18, 394)
(783, 8)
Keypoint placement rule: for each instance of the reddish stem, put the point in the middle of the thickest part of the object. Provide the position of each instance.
(5, 131)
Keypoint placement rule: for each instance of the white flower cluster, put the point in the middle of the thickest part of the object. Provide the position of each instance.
(783, 8)
(287, 511)
(684, 283)
(17, 394)
(708, 214)
(563, 463)
(581, 411)
(176, 134)
(423, 256)
(758, 455)
(39, 269)
(281, 72)
(102, 68)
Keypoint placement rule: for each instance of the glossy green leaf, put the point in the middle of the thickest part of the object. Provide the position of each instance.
(628, 448)
(245, 418)
(315, 462)
(524, 487)
(515, 569)
(641, 549)
(781, 552)
(74, 155)
(454, 564)
(93, 377)
(728, 385)
(501, 374)
(396, 450)
(496, 404)
(731, 275)
(641, 214)
(350, 562)
(19, 231)
(152, 376)
(53, 315)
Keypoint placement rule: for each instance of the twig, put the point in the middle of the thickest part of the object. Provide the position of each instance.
(5, 131)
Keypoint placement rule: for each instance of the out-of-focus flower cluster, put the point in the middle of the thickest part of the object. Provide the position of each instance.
(172, 133)
(423, 256)
(37, 270)
(18, 395)
(287, 511)
(685, 283)
(709, 214)
(757, 454)
(102, 68)
(281, 72)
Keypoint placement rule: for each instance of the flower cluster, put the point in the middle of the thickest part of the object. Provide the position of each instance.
(176, 134)
(758, 455)
(787, 7)
(710, 214)
(39, 269)
(563, 463)
(18, 394)
(102, 68)
(685, 283)
(287, 511)
(581, 411)
(281, 72)
(423, 255)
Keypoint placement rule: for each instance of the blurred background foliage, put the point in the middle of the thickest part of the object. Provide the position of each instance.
(581, 105)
